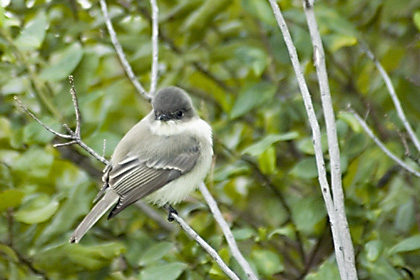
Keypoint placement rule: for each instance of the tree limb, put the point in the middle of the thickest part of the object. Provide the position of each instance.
(349, 269)
(316, 137)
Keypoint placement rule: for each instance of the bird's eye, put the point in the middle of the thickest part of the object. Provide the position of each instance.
(179, 114)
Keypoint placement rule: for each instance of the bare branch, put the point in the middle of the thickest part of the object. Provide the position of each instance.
(155, 49)
(395, 99)
(381, 145)
(349, 269)
(316, 132)
(316, 137)
(20, 104)
(205, 246)
(227, 232)
(74, 136)
(75, 105)
(64, 144)
(127, 68)
(104, 148)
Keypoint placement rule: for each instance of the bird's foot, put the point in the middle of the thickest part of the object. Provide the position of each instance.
(171, 211)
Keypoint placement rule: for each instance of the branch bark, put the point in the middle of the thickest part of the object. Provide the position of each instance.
(343, 255)
(349, 269)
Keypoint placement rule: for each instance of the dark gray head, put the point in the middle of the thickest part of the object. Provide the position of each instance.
(172, 103)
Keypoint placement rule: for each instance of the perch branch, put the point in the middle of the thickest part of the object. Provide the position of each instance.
(236, 253)
(205, 246)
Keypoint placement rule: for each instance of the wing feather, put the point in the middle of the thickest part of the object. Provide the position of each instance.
(135, 177)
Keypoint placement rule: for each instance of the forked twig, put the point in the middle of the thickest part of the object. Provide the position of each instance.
(73, 136)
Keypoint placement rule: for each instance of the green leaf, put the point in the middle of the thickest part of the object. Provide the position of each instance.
(327, 270)
(251, 97)
(306, 144)
(67, 214)
(416, 19)
(5, 130)
(169, 271)
(374, 250)
(330, 20)
(405, 217)
(407, 245)
(351, 121)
(34, 162)
(265, 143)
(261, 10)
(63, 63)
(268, 263)
(307, 212)
(10, 198)
(334, 42)
(243, 233)
(201, 18)
(9, 253)
(267, 161)
(305, 169)
(16, 85)
(37, 210)
(156, 252)
(35, 133)
(33, 35)
(255, 58)
(70, 258)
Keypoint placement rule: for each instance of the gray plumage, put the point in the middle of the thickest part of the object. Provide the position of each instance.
(151, 159)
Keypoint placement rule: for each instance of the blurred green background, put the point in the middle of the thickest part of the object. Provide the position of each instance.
(231, 58)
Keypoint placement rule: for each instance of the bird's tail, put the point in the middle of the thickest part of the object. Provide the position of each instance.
(107, 201)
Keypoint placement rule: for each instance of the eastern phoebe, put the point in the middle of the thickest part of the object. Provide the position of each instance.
(162, 158)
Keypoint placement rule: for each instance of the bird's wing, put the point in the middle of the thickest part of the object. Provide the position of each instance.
(136, 176)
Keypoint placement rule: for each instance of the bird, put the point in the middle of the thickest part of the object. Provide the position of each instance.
(162, 159)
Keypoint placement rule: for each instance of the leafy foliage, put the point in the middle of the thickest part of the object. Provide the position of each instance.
(231, 57)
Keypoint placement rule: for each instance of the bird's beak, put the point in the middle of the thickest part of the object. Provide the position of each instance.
(162, 117)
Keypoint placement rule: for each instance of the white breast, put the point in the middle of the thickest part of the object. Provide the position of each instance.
(178, 189)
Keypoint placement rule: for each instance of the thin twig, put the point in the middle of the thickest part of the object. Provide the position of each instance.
(378, 142)
(349, 270)
(74, 136)
(394, 98)
(236, 253)
(127, 68)
(155, 48)
(206, 247)
(75, 105)
(20, 104)
(316, 133)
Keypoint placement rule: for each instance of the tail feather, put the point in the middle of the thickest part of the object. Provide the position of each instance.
(108, 200)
